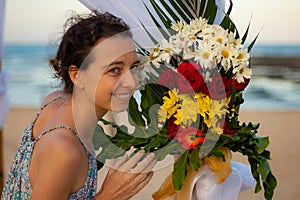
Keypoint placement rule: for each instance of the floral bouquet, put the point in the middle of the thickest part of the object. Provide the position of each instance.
(190, 101)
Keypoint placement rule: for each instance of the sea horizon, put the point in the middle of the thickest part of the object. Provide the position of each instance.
(31, 79)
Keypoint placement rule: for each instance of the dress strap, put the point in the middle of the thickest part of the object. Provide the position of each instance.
(57, 127)
(44, 106)
(65, 127)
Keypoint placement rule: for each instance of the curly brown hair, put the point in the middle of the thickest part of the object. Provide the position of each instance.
(81, 34)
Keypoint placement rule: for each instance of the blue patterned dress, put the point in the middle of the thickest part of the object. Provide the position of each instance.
(18, 186)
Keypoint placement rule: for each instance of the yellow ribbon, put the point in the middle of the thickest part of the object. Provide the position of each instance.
(222, 169)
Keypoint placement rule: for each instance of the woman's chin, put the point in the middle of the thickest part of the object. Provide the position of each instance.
(120, 106)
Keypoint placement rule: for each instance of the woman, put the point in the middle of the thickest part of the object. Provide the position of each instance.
(98, 66)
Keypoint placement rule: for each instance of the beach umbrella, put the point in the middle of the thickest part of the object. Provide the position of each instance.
(4, 104)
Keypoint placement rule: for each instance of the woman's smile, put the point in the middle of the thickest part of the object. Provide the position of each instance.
(124, 96)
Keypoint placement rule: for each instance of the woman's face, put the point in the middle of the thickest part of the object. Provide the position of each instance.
(112, 76)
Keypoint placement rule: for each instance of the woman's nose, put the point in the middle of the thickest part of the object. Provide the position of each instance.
(130, 79)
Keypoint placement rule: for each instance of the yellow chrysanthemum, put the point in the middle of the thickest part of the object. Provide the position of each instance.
(204, 104)
(215, 125)
(162, 114)
(218, 107)
(218, 130)
(178, 116)
(171, 103)
(189, 109)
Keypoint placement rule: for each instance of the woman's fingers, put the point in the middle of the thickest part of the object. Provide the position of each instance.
(138, 163)
(120, 162)
(128, 175)
(145, 165)
(132, 162)
(142, 183)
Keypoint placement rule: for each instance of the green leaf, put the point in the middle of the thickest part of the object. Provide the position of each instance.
(98, 137)
(262, 144)
(266, 154)
(224, 139)
(258, 187)
(169, 148)
(151, 96)
(155, 143)
(264, 169)
(195, 161)
(217, 153)
(271, 180)
(110, 152)
(269, 186)
(180, 171)
(253, 165)
(135, 117)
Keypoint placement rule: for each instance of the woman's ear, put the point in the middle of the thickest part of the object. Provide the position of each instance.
(75, 76)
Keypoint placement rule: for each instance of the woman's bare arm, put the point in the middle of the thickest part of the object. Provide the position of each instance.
(57, 167)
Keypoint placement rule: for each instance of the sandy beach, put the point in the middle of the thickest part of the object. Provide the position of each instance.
(281, 126)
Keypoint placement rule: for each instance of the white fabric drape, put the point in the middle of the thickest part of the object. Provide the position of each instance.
(2, 15)
(4, 102)
(205, 188)
(134, 13)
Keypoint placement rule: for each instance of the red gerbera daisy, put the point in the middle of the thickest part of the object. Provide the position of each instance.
(190, 137)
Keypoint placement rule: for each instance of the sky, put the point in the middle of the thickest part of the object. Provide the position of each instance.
(39, 21)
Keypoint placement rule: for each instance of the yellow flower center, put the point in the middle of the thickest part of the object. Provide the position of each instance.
(206, 55)
(168, 50)
(240, 56)
(225, 53)
(151, 56)
(241, 71)
(220, 40)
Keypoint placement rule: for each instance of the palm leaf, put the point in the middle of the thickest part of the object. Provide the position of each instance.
(182, 10)
(252, 43)
(210, 11)
(246, 34)
(187, 8)
(230, 8)
(161, 14)
(158, 25)
(202, 7)
(170, 12)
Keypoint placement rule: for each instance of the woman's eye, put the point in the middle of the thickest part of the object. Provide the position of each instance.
(115, 70)
(134, 68)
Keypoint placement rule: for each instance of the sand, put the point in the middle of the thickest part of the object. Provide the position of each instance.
(281, 126)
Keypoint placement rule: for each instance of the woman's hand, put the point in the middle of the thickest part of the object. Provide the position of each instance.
(127, 177)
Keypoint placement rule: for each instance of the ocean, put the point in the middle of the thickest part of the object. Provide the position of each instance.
(30, 78)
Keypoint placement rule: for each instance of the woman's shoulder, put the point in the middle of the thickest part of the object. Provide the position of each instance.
(53, 95)
(61, 145)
